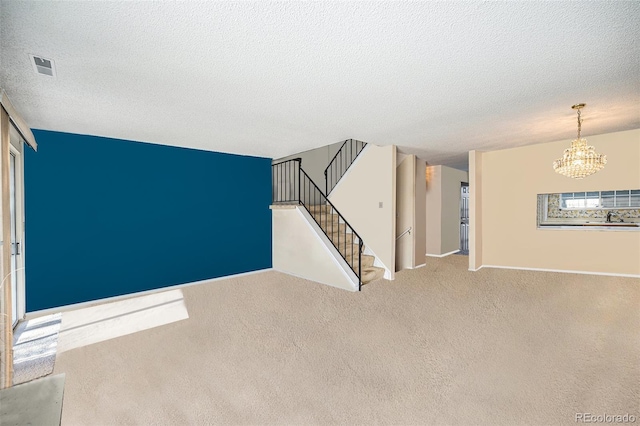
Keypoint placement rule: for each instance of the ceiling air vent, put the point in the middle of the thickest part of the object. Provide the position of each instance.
(43, 66)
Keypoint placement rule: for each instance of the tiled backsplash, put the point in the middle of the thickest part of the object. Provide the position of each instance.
(554, 211)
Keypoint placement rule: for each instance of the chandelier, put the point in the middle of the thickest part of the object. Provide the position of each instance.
(580, 160)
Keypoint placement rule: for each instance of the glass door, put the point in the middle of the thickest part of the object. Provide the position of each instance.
(15, 245)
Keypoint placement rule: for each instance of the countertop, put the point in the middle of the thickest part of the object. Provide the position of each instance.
(590, 225)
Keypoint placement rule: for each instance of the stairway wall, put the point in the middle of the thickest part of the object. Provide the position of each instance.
(315, 161)
(300, 250)
(366, 197)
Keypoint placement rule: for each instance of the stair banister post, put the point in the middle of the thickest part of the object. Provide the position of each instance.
(299, 178)
(326, 184)
(359, 264)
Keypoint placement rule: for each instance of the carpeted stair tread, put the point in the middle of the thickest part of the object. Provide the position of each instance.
(325, 208)
(337, 228)
(326, 218)
(367, 261)
(343, 239)
(348, 250)
(371, 273)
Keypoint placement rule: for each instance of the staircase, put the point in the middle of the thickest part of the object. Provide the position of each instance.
(345, 242)
(292, 185)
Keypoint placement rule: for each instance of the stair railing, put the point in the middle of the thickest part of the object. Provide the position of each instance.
(340, 162)
(285, 182)
(292, 185)
(335, 227)
(407, 231)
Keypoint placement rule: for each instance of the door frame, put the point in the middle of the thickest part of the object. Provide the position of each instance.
(16, 148)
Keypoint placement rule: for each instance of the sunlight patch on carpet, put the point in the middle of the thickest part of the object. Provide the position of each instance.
(107, 321)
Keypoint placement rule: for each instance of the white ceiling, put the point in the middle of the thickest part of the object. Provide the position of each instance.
(271, 79)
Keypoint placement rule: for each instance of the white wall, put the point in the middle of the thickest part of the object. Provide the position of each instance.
(508, 182)
(405, 212)
(420, 217)
(443, 209)
(410, 212)
(475, 210)
(366, 197)
(433, 210)
(299, 249)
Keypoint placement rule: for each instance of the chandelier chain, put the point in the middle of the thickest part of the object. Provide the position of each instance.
(579, 124)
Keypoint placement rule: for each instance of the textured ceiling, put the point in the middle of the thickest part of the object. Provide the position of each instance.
(271, 79)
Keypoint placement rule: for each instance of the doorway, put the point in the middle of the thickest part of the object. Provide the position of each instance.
(464, 218)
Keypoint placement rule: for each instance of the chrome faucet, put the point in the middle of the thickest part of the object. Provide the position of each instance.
(609, 217)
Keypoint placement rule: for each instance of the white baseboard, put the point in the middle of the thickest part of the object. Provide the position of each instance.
(443, 255)
(477, 269)
(418, 266)
(564, 271)
(90, 303)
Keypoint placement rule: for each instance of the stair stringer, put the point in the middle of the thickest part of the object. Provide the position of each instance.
(301, 248)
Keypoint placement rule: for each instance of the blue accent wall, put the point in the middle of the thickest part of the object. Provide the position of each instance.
(107, 217)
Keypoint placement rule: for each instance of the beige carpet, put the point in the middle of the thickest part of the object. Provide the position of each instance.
(437, 346)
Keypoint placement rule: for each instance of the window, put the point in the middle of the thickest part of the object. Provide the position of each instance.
(600, 200)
